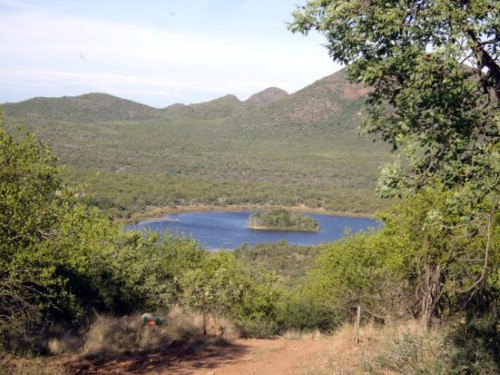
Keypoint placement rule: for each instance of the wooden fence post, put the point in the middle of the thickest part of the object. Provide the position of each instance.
(356, 325)
(204, 312)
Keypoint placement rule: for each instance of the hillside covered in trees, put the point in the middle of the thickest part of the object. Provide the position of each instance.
(301, 149)
(435, 260)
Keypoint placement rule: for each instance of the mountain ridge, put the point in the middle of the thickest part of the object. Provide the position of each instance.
(299, 149)
(103, 106)
(267, 96)
(84, 107)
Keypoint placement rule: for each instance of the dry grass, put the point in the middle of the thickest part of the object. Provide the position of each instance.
(182, 324)
(110, 334)
(343, 356)
(13, 365)
(410, 349)
(302, 335)
(60, 341)
(405, 348)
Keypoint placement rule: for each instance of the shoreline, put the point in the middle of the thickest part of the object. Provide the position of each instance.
(253, 227)
(155, 213)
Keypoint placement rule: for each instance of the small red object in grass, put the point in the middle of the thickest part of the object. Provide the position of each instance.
(151, 322)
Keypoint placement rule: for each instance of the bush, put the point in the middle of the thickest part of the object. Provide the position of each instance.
(470, 348)
(477, 347)
(113, 335)
(412, 350)
(305, 315)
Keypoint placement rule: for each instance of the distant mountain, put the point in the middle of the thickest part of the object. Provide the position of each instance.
(274, 148)
(220, 107)
(325, 99)
(267, 96)
(88, 107)
(318, 101)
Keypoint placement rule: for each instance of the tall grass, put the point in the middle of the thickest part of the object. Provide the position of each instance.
(407, 348)
(113, 335)
(411, 349)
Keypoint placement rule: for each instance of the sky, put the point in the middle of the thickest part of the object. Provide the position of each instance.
(155, 52)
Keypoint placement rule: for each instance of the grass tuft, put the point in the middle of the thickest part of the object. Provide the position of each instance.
(120, 334)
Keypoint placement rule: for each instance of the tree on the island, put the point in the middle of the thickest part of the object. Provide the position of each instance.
(433, 73)
(281, 219)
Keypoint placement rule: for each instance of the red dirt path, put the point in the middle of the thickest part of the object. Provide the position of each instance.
(321, 355)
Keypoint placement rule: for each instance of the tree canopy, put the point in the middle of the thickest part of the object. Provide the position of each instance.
(433, 75)
(433, 70)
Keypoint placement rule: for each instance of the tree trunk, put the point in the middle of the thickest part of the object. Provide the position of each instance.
(431, 293)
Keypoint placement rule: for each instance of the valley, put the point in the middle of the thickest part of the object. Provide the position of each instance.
(301, 149)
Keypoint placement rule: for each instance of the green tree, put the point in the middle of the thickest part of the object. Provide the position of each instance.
(28, 186)
(434, 78)
(56, 254)
(361, 269)
(221, 286)
(451, 265)
(433, 75)
(150, 272)
(424, 262)
(217, 286)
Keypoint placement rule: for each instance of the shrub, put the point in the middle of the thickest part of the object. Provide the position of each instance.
(305, 315)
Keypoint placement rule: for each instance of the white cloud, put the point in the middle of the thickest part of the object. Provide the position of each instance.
(45, 52)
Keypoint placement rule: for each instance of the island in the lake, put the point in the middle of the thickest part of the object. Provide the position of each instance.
(280, 219)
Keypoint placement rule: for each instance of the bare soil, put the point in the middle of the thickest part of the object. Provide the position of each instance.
(302, 356)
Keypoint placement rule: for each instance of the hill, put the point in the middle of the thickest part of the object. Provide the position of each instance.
(293, 150)
(88, 107)
(267, 96)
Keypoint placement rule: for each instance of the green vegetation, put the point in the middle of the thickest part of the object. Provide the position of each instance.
(436, 258)
(290, 150)
(417, 258)
(444, 114)
(61, 260)
(280, 219)
(289, 262)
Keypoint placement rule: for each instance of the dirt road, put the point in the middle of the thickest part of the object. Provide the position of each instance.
(310, 355)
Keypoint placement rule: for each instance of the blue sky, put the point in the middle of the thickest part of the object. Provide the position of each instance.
(154, 52)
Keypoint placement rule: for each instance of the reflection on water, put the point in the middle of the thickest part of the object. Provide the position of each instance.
(228, 230)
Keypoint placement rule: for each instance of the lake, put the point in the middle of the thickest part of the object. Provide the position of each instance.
(228, 230)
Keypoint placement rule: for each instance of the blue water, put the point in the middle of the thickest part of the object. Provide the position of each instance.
(228, 230)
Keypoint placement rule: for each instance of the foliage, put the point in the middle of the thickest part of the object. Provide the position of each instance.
(221, 286)
(215, 285)
(434, 80)
(280, 219)
(432, 68)
(286, 265)
(60, 259)
(477, 346)
(306, 314)
(149, 270)
(49, 242)
(453, 252)
(360, 269)
(289, 262)
(425, 261)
